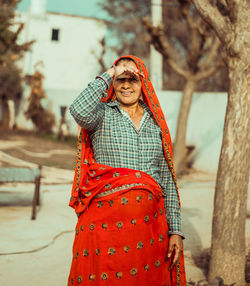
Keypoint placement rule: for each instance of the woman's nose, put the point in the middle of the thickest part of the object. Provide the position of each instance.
(126, 84)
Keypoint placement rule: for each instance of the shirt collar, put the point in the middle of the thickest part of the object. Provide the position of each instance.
(142, 103)
(113, 103)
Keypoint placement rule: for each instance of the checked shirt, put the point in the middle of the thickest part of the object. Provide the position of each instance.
(116, 142)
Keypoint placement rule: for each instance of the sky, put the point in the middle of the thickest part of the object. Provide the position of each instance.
(89, 8)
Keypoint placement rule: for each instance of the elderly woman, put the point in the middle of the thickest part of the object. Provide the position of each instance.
(125, 192)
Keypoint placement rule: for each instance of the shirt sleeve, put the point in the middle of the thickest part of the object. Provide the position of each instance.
(171, 201)
(87, 109)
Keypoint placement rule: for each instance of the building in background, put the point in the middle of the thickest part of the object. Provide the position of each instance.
(65, 51)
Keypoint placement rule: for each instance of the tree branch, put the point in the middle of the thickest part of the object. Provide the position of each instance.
(193, 27)
(233, 9)
(178, 69)
(164, 47)
(209, 71)
(211, 54)
(157, 39)
(100, 58)
(214, 18)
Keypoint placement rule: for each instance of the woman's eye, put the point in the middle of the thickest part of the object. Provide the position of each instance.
(134, 80)
(130, 80)
(121, 80)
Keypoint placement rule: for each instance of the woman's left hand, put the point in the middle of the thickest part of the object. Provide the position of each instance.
(175, 247)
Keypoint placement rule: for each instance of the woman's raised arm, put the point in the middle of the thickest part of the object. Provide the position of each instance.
(87, 109)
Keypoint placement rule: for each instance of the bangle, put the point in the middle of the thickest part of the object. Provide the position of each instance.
(103, 80)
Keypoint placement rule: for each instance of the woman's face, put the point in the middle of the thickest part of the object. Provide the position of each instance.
(127, 86)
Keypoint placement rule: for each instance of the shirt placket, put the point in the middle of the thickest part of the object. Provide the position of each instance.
(137, 138)
(135, 152)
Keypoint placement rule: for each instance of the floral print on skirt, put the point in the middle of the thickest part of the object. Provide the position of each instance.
(121, 239)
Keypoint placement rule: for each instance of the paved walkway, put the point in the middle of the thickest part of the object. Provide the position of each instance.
(39, 252)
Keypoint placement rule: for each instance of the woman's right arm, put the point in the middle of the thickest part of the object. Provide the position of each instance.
(87, 109)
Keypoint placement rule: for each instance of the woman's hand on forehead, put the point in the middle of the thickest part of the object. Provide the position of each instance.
(125, 68)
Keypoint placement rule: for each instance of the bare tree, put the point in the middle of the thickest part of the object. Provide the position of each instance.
(126, 27)
(230, 20)
(199, 58)
(100, 56)
(10, 52)
(177, 31)
(42, 118)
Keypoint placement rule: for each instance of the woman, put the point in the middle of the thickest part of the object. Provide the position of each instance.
(124, 191)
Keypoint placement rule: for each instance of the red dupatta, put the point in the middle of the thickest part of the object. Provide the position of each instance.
(87, 183)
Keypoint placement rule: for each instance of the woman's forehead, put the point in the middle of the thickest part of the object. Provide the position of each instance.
(127, 75)
(126, 62)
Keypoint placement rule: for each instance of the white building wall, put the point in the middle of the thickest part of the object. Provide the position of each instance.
(205, 125)
(69, 62)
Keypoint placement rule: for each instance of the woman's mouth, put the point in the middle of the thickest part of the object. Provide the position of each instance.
(126, 93)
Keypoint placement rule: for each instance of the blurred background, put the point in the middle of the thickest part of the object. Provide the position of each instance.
(61, 46)
(50, 51)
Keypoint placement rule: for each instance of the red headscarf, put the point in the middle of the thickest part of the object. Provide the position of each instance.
(86, 166)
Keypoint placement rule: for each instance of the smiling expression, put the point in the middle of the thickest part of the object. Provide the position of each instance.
(127, 86)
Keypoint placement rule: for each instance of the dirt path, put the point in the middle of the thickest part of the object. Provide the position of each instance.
(39, 149)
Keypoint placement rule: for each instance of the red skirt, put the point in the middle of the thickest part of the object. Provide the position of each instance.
(121, 239)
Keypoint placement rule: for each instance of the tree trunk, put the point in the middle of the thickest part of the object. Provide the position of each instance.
(180, 137)
(11, 105)
(230, 201)
(5, 115)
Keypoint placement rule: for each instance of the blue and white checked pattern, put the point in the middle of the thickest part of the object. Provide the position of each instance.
(117, 143)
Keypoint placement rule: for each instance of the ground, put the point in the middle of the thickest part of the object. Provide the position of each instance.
(38, 252)
(43, 149)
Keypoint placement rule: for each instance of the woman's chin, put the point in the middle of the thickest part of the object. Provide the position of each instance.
(127, 100)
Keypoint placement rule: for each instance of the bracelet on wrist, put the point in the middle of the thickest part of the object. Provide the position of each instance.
(103, 80)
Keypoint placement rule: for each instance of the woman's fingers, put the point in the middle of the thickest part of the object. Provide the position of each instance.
(176, 259)
(123, 69)
(175, 249)
(170, 250)
(120, 69)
